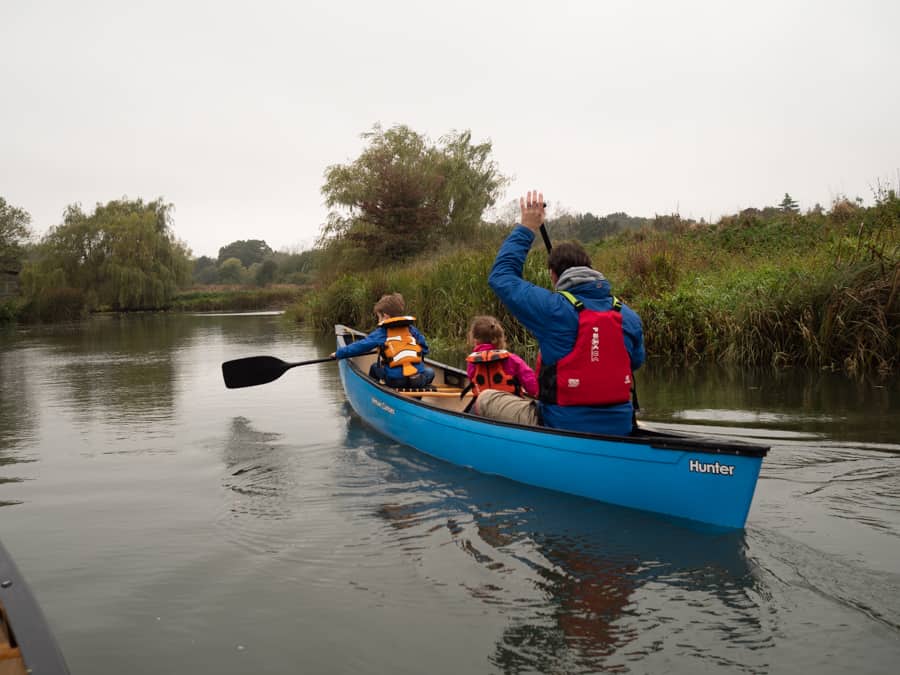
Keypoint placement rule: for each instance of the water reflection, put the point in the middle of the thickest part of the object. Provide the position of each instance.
(817, 402)
(109, 368)
(586, 587)
(116, 369)
(17, 421)
(17, 411)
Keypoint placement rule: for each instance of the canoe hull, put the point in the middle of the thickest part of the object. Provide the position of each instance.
(711, 484)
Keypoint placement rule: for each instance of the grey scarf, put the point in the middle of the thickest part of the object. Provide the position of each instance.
(578, 275)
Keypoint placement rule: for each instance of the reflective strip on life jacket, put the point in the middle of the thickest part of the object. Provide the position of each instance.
(490, 374)
(597, 372)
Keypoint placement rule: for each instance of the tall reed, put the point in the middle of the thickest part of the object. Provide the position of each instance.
(819, 290)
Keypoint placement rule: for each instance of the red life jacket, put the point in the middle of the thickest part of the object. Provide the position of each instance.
(400, 348)
(490, 374)
(597, 372)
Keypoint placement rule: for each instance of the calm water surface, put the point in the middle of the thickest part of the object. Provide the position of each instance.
(168, 525)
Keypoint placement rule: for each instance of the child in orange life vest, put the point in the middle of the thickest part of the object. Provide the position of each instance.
(401, 347)
(491, 366)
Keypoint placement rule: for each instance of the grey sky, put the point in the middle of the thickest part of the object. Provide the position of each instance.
(232, 111)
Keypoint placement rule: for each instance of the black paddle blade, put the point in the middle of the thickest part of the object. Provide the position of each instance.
(255, 370)
(252, 370)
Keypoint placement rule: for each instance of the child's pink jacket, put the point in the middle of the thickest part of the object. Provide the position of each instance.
(514, 367)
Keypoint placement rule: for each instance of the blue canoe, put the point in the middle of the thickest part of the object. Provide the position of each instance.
(682, 476)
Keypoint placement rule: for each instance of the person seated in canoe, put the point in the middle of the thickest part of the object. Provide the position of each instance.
(401, 347)
(491, 365)
(590, 342)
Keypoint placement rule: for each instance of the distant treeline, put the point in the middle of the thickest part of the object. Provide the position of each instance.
(124, 256)
(253, 262)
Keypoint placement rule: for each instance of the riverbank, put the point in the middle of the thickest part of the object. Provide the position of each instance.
(760, 288)
(69, 304)
(236, 298)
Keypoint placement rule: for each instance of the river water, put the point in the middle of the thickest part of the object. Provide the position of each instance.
(168, 525)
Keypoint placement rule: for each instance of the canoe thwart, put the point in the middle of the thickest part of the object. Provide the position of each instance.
(432, 392)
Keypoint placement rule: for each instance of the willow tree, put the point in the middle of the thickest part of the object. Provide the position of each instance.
(404, 193)
(124, 256)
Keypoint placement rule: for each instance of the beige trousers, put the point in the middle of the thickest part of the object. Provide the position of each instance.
(506, 407)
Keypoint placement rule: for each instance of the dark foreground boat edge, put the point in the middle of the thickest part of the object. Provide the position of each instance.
(25, 635)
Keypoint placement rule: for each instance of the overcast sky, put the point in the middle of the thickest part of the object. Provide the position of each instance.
(233, 110)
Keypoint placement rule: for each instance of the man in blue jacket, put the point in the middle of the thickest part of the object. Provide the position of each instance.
(590, 342)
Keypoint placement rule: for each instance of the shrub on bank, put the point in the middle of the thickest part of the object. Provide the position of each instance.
(9, 310)
(55, 304)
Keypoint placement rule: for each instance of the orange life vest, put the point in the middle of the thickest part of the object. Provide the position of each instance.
(490, 374)
(400, 348)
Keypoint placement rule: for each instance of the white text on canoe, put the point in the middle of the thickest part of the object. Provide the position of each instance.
(716, 468)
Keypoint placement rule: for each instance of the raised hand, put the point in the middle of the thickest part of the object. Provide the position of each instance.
(532, 206)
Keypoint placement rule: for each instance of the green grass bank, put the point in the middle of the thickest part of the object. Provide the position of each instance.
(236, 298)
(760, 288)
(70, 304)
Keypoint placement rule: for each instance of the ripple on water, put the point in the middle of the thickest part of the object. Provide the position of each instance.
(795, 569)
(762, 417)
(855, 482)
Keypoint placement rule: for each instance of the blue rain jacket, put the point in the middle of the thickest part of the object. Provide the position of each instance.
(553, 321)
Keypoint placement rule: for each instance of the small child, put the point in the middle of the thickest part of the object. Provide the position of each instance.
(401, 347)
(491, 366)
